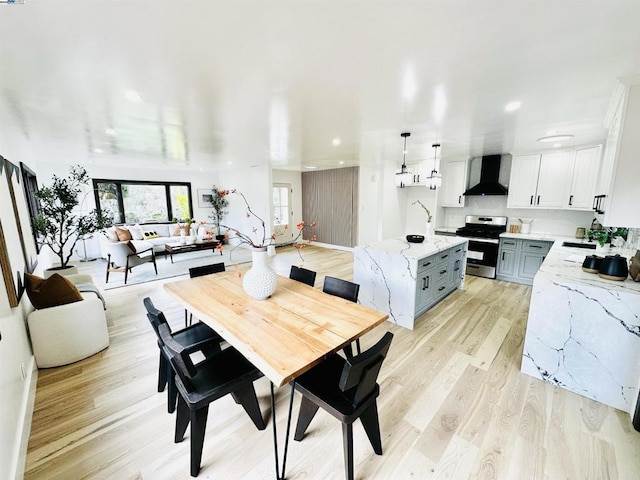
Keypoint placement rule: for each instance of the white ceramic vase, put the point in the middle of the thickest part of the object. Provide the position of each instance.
(427, 233)
(260, 281)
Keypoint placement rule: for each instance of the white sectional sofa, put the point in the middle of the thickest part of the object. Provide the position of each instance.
(146, 235)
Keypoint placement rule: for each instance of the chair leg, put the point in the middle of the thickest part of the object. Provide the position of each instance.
(347, 445)
(308, 410)
(172, 391)
(247, 397)
(162, 373)
(371, 424)
(198, 427)
(185, 318)
(183, 417)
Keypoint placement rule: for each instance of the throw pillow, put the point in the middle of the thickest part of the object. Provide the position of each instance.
(123, 234)
(50, 292)
(111, 234)
(176, 232)
(136, 232)
(148, 235)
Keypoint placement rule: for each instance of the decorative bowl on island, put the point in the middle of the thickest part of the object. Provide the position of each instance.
(415, 238)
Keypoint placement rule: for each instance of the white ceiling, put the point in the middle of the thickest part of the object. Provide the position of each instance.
(249, 82)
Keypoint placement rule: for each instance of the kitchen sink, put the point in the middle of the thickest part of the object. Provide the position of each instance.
(588, 246)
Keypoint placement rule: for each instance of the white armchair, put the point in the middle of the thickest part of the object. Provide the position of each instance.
(121, 258)
(67, 333)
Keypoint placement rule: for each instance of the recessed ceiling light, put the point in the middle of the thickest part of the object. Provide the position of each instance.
(557, 145)
(336, 141)
(341, 162)
(512, 106)
(132, 96)
(110, 131)
(555, 138)
(311, 167)
(229, 162)
(97, 150)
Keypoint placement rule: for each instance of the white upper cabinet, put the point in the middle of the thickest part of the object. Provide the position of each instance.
(523, 181)
(617, 195)
(539, 181)
(454, 182)
(559, 180)
(584, 177)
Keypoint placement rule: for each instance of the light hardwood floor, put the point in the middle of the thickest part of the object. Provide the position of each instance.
(453, 404)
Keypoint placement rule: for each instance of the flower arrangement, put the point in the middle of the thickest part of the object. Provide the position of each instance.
(259, 237)
(425, 209)
(184, 225)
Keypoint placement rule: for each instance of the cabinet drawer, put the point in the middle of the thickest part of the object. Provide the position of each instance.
(441, 288)
(425, 263)
(442, 271)
(533, 246)
(508, 243)
(443, 258)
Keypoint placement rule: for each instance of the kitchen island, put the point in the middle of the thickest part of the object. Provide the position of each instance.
(583, 332)
(406, 279)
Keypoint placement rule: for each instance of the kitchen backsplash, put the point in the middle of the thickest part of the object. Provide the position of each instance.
(559, 222)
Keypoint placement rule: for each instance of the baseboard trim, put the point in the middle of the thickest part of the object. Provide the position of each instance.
(27, 415)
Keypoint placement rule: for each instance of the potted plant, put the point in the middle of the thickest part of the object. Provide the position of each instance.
(57, 225)
(219, 202)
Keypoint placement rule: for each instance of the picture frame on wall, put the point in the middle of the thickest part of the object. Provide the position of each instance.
(205, 195)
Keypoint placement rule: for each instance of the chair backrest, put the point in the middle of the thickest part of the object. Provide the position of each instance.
(206, 269)
(341, 288)
(302, 275)
(118, 252)
(360, 373)
(155, 316)
(178, 356)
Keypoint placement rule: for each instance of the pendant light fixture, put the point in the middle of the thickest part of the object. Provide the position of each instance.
(404, 175)
(435, 179)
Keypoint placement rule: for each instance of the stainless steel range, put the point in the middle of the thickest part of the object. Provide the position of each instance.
(483, 233)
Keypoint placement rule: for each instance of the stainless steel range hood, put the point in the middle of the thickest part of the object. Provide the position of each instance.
(489, 171)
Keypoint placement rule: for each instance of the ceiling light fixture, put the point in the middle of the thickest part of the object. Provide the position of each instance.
(403, 176)
(110, 131)
(336, 142)
(435, 179)
(512, 106)
(555, 138)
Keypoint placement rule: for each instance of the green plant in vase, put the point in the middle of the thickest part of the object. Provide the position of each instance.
(57, 225)
(219, 203)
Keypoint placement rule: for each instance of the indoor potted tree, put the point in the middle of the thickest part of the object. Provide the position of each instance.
(57, 225)
(219, 203)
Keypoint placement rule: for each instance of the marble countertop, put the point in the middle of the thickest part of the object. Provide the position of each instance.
(435, 244)
(446, 229)
(548, 237)
(565, 264)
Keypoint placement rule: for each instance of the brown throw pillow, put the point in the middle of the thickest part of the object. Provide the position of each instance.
(634, 268)
(50, 292)
(123, 234)
(176, 232)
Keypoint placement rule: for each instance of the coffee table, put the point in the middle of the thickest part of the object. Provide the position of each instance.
(174, 248)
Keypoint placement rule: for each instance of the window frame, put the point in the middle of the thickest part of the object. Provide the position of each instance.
(167, 191)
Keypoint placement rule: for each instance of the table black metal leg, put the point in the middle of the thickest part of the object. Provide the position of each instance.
(275, 431)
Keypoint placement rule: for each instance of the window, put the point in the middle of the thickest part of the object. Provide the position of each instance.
(127, 201)
(280, 205)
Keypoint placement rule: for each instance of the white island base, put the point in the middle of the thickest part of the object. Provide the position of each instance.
(583, 332)
(406, 279)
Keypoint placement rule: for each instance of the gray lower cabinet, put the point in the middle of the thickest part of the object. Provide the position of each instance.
(437, 276)
(519, 260)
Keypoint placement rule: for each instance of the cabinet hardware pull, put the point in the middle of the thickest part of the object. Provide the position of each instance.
(503, 256)
(442, 271)
(535, 246)
(538, 202)
(459, 199)
(426, 264)
(427, 277)
(531, 201)
(424, 283)
(441, 288)
(570, 200)
(444, 256)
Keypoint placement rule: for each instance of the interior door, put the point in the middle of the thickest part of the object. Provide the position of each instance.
(282, 213)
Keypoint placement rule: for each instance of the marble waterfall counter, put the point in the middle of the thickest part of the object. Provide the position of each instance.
(583, 332)
(405, 279)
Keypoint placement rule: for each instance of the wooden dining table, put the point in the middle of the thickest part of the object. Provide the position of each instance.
(284, 335)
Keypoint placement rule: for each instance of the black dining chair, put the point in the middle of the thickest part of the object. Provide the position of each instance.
(347, 389)
(225, 372)
(303, 275)
(196, 338)
(343, 289)
(199, 272)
